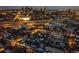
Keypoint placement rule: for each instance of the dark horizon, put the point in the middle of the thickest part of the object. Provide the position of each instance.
(49, 7)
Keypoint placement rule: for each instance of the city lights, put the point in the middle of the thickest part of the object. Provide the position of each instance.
(39, 30)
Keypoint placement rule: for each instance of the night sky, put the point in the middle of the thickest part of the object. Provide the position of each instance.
(49, 7)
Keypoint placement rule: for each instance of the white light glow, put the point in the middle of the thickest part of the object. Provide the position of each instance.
(25, 19)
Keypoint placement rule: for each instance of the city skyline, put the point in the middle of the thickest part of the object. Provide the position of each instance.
(49, 7)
